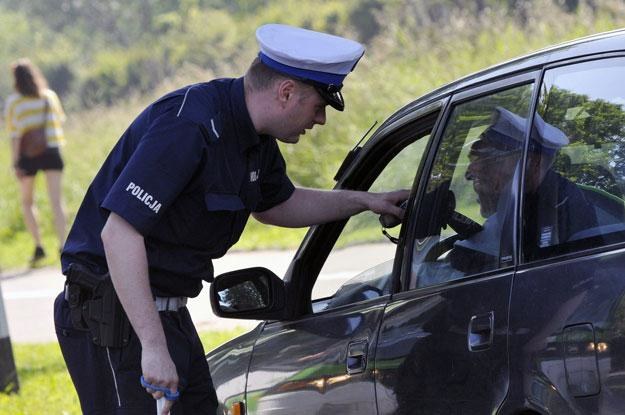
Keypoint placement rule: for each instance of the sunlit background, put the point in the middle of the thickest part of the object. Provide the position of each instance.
(108, 59)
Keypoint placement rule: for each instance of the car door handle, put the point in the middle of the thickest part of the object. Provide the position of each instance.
(480, 336)
(356, 357)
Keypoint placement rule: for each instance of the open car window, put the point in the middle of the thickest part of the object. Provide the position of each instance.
(371, 283)
(464, 224)
(575, 174)
(359, 267)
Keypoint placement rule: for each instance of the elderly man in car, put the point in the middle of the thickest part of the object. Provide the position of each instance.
(494, 160)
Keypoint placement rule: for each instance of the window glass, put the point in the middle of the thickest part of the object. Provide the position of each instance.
(464, 225)
(359, 266)
(575, 174)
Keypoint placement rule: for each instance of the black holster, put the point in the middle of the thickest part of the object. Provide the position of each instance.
(94, 306)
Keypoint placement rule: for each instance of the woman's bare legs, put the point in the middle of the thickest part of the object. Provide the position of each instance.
(53, 181)
(27, 184)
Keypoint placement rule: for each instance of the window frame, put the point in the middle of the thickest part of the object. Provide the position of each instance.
(487, 88)
(521, 263)
(375, 155)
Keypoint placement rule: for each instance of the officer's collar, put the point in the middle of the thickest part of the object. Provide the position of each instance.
(245, 131)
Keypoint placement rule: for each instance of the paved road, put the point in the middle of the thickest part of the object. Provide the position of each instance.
(29, 295)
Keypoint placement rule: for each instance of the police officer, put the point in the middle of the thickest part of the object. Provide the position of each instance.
(176, 192)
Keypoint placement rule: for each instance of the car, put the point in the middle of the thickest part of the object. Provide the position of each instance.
(503, 288)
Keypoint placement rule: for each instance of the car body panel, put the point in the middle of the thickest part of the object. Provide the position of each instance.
(300, 367)
(229, 364)
(423, 362)
(546, 369)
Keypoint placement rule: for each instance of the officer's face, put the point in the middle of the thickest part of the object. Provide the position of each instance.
(303, 110)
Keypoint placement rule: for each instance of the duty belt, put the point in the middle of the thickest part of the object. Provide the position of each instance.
(170, 303)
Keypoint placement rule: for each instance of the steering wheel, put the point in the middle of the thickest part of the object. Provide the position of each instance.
(463, 225)
(441, 247)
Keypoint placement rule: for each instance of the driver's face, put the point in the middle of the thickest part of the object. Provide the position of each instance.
(490, 172)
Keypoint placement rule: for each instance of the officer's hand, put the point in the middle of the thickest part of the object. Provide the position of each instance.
(159, 370)
(388, 203)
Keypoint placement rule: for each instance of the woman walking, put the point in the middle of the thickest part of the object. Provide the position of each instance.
(34, 106)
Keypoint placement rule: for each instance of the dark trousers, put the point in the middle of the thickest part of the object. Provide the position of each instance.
(107, 378)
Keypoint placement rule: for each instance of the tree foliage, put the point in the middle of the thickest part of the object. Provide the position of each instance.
(99, 51)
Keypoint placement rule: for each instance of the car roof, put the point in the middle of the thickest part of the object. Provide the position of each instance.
(587, 46)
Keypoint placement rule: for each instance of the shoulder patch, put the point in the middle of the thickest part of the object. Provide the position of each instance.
(200, 104)
(211, 129)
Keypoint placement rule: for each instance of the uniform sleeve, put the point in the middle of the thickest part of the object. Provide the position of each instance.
(160, 168)
(275, 185)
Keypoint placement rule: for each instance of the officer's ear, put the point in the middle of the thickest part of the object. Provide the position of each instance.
(285, 91)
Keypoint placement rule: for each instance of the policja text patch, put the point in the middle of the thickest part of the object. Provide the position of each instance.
(144, 196)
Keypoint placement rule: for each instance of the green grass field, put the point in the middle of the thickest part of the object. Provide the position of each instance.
(45, 385)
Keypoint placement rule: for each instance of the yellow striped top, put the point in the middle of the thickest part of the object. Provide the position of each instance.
(24, 113)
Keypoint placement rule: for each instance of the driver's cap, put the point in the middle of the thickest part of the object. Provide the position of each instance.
(507, 133)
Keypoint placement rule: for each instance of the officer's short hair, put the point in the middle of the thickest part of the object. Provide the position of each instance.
(261, 76)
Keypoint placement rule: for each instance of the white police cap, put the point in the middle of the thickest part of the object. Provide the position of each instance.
(508, 132)
(319, 59)
(548, 136)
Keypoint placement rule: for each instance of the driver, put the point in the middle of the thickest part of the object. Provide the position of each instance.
(491, 166)
(493, 161)
(556, 208)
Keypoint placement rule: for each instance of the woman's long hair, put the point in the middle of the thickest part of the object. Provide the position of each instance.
(28, 78)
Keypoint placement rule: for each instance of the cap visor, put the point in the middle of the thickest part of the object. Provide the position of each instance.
(335, 100)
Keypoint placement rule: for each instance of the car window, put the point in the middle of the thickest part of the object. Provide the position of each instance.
(371, 283)
(575, 173)
(464, 224)
(360, 264)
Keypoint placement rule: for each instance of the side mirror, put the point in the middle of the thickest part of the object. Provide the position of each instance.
(250, 293)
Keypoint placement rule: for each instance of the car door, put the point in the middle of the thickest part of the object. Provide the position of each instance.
(442, 346)
(567, 320)
(321, 362)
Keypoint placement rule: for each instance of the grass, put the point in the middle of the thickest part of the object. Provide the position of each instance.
(45, 385)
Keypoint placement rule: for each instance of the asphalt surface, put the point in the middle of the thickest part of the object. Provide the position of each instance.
(29, 295)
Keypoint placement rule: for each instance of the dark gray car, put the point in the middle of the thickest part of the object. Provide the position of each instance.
(503, 289)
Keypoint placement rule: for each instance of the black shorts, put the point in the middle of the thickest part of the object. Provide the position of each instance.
(49, 160)
(107, 379)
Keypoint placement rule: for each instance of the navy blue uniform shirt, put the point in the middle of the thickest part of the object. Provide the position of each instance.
(186, 175)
